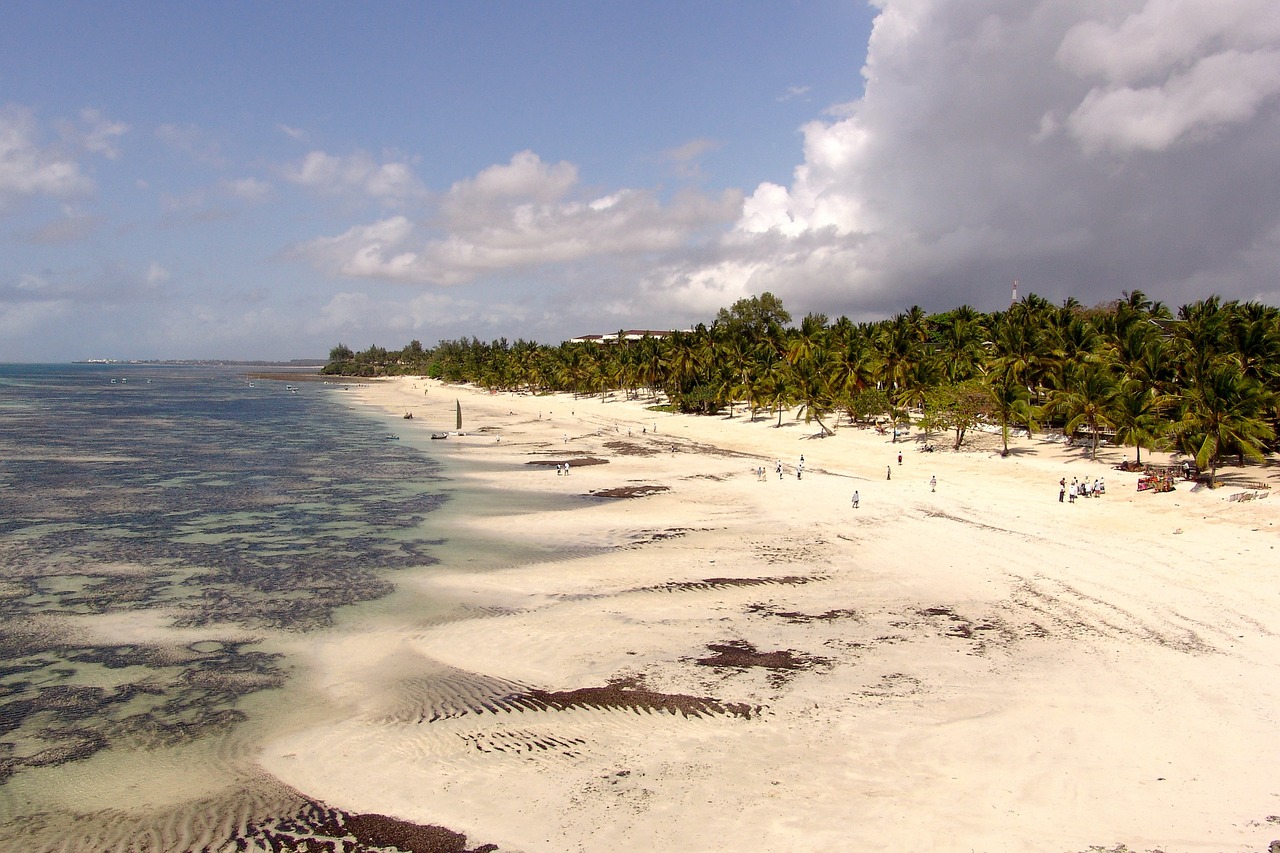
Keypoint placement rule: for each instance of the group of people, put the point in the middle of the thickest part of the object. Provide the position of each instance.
(778, 468)
(562, 469)
(1081, 489)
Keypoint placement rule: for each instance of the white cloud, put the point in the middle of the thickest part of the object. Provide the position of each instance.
(525, 180)
(364, 250)
(358, 173)
(514, 216)
(28, 168)
(95, 133)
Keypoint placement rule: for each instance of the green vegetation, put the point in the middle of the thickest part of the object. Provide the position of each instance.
(1206, 383)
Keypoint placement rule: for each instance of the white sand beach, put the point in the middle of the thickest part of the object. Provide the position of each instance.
(723, 663)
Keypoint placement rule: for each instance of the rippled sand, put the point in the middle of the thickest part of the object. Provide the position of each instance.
(711, 662)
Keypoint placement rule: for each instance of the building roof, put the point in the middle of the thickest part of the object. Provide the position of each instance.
(627, 335)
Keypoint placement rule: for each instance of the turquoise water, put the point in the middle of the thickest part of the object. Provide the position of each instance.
(167, 535)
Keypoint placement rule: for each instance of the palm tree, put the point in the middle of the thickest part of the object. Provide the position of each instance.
(813, 392)
(917, 377)
(1135, 412)
(683, 364)
(896, 345)
(960, 344)
(1224, 411)
(1200, 337)
(1256, 346)
(1020, 344)
(1011, 403)
(852, 363)
(776, 389)
(1087, 399)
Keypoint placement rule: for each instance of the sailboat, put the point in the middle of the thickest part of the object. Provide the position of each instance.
(458, 428)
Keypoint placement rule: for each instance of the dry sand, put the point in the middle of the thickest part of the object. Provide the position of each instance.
(723, 664)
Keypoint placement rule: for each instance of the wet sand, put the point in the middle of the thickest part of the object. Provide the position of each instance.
(663, 651)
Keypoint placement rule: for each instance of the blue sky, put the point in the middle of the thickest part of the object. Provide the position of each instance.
(248, 180)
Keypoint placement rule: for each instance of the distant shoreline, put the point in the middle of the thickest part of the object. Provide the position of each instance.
(296, 363)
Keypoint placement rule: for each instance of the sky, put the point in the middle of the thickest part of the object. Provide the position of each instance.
(247, 180)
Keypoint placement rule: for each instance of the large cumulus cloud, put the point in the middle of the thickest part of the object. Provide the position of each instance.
(1084, 148)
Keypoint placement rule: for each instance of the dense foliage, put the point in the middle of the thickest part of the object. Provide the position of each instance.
(1206, 383)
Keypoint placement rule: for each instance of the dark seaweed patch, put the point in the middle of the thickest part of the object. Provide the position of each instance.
(315, 826)
(629, 491)
(741, 655)
(631, 697)
(799, 618)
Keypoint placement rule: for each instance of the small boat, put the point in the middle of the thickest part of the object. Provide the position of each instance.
(439, 435)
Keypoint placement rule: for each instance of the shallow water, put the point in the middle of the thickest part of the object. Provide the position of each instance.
(169, 541)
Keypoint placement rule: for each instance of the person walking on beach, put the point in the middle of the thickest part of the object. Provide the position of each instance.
(899, 457)
(566, 469)
(1062, 492)
(888, 472)
(933, 484)
(800, 469)
(855, 498)
(779, 469)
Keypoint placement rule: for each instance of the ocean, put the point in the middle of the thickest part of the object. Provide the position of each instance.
(171, 537)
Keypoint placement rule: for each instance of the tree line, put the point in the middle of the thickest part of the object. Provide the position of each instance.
(1205, 382)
